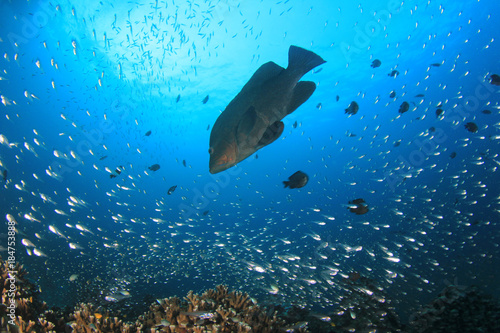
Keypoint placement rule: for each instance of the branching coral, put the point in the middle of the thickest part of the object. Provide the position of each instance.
(216, 310)
(19, 305)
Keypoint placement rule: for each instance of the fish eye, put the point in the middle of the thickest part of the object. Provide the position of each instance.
(210, 150)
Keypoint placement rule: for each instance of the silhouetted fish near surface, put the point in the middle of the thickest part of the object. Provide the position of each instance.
(439, 112)
(104, 157)
(495, 80)
(404, 107)
(171, 189)
(453, 155)
(394, 73)
(295, 124)
(437, 64)
(297, 180)
(486, 111)
(148, 133)
(252, 120)
(205, 100)
(154, 167)
(4, 175)
(352, 109)
(184, 162)
(337, 98)
(376, 63)
(420, 95)
(393, 94)
(118, 170)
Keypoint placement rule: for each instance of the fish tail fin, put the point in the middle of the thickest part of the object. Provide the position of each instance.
(302, 61)
(286, 183)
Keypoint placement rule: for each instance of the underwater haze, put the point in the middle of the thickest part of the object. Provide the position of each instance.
(106, 114)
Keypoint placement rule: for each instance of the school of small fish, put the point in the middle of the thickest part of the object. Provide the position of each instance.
(406, 115)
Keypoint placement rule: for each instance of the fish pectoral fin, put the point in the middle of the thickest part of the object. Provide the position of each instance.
(301, 93)
(271, 134)
(246, 125)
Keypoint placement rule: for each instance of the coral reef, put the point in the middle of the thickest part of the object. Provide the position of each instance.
(458, 309)
(364, 308)
(217, 310)
(20, 303)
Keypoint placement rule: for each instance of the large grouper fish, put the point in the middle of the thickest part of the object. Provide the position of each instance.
(252, 120)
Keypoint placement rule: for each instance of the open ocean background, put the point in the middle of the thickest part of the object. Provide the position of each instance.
(82, 82)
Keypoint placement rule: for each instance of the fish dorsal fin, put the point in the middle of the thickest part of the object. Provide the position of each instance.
(264, 73)
(272, 133)
(246, 124)
(301, 93)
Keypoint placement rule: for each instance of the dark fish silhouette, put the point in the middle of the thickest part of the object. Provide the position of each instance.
(394, 73)
(393, 94)
(376, 63)
(252, 120)
(453, 155)
(352, 109)
(337, 98)
(184, 162)
(495, 80)
(205, 100)
(154, 167)
(319, 106)
(148, 133)
(297, 180)
(437, 64)
(178, 98)
(486, 111)
(420, 95)
(404, 107)
(4, 175)
(102, 158)
(471, 127)
(171, 189)
(358, 206)
(118, 171)
(439, 112)
(295, 124)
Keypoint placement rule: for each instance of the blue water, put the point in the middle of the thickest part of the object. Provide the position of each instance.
(86, 81)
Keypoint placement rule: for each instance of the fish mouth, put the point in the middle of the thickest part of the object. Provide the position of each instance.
(219, 164)
(219, 168)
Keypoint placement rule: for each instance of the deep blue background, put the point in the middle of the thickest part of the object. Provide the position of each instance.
(438, 215)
